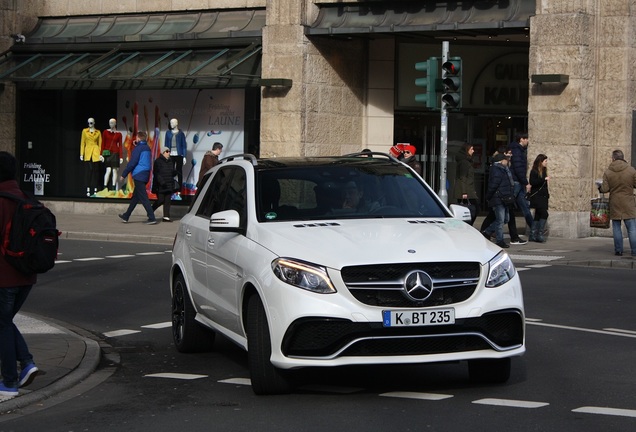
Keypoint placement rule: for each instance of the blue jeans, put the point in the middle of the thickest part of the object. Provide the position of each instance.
(522, 204)
(630, 224)
(501, 218)
(13, 347)
(140, 195)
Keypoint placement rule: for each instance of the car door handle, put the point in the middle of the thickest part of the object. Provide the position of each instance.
(188, 233)
(211, 242)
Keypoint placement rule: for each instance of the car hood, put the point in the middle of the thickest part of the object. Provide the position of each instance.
(341, 243)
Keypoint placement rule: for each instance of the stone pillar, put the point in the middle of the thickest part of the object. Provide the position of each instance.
(322, 113)
(7, 88)
(381, 95)
(577, 125)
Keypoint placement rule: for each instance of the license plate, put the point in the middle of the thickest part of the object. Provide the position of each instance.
(416, 318)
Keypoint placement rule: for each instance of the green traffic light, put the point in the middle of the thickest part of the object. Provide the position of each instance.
(430, 67)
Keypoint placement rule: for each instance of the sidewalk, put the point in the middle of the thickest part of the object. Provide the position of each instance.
(66, 357)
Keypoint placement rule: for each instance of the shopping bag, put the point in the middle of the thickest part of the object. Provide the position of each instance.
(599, 214)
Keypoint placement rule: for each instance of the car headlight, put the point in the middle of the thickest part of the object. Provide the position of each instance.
(501, 270)
(303, 275)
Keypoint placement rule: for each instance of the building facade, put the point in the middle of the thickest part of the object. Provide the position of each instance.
(322, 77)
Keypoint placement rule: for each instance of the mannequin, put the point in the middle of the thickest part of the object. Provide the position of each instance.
(90, 146)
(176, 142)
(111, 152)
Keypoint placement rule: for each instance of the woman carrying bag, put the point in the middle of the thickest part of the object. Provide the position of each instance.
(163, 183)
(539, 196)
(465, 182)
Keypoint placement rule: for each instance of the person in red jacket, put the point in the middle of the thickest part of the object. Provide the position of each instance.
(14, 290)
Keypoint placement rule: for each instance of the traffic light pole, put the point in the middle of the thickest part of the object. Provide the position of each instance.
(443, 141)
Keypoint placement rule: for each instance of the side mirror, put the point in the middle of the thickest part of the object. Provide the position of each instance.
(227, 220)
(460, 212)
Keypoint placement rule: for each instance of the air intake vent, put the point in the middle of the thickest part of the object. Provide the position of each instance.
(317, 224)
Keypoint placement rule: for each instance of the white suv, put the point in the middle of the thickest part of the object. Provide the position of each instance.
(331, 261)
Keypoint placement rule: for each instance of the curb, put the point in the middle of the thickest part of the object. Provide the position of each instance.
(88, 364)
(124, 238)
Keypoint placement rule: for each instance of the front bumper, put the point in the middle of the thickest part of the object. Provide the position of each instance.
(327, 339)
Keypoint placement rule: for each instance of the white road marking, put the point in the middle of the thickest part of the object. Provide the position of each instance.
(89, 259)
(582, 329)
(239, 381)
(119, 256)
(415, 395)
(606, 411)
(522, 269)
(176, 376)
(123, 332)
(510, 403)
(620, 330)
(158, 325)
(150, 253)
(62, 261)
(539, 265)
(533, 319)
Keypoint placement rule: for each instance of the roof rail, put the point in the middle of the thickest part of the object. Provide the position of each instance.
(370, 154)
(246, 156)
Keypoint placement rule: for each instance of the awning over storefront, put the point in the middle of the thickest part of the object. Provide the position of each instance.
(476, 18)
(184, 50)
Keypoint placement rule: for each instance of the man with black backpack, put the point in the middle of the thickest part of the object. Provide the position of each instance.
(14, 290)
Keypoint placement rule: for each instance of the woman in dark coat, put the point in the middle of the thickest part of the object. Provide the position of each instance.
(539, 196)
(163, 183)
(465, 192)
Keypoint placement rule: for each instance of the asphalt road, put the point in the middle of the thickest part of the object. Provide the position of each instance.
(576, 375)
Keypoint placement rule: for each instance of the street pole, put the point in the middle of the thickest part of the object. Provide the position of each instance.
(443, 141)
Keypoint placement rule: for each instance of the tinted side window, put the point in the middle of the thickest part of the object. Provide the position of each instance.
(227, 191)
(236, 195)
(214, 198)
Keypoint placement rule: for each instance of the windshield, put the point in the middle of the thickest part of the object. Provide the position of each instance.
(337, 191)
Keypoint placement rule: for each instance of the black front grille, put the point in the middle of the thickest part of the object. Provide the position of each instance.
(383, 285)
(324, 337)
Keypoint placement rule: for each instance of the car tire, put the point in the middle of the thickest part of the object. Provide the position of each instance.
(489, 371)
(265, 377)
(188, 335)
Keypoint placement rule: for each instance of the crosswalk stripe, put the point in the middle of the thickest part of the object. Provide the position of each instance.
(510, 403)
(606, 411)
(175, 376)
(415, 395)
(158, 325)
(123, 332)
(239, 381)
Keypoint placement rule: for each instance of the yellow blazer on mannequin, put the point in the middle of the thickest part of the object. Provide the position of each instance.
(91, 145)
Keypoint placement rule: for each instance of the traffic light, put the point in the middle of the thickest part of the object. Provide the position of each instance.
(429, 66)
(452, 83)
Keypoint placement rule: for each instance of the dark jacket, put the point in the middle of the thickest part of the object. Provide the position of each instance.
(139, 163)
(10, 276)
(163, 173)
(519, 163)
(210, 160)
(620, 180)
(414, 163)
(500, 184)
(539, 193)
(465, 178)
